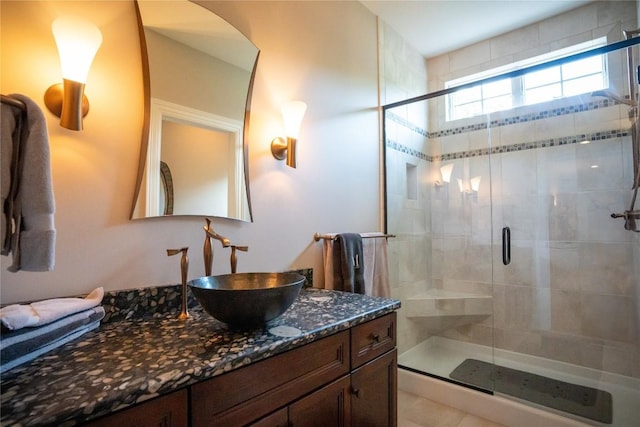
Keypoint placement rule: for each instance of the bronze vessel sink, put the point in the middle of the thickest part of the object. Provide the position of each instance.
(247, 299)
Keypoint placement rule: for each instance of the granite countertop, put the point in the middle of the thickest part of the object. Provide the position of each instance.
(127, 362)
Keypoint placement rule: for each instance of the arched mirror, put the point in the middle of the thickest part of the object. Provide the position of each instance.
(198, 72)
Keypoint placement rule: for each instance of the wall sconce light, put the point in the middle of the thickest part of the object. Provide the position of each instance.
(292, 114)
(445, 171)
(475, 183)
(472, 188)
(78, 41)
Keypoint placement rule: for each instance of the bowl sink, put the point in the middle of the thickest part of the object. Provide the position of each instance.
(247, 299)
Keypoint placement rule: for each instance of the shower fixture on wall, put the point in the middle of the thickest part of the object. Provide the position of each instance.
(631, 215)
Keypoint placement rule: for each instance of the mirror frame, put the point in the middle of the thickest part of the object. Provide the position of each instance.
(147, 125)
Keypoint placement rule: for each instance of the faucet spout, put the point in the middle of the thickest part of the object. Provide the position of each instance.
(223, 240)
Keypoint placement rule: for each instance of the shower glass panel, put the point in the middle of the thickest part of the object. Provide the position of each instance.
(442, 254)
(515, 259)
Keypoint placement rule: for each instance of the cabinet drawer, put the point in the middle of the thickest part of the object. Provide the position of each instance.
(370, 340)
(244, 395)
(166, 411)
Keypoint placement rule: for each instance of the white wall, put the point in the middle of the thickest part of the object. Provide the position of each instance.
(323, 53)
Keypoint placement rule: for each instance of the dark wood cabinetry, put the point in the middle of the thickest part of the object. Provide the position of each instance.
(345, 379)
(166, 411)
(246, 394)
(374, 385)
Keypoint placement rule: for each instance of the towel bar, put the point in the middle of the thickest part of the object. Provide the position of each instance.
(13, 102)
(317, 237)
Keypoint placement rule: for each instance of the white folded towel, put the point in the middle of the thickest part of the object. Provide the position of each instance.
(40, 313)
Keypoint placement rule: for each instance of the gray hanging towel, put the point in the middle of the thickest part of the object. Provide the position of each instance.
(348, 270)
(28, 229)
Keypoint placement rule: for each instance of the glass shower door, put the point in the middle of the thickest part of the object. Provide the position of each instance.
(566, 283)
(438, 201)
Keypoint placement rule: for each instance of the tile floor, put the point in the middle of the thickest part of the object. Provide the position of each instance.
(415, 411)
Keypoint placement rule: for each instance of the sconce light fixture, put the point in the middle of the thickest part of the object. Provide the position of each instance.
(472, 188)
(445, 171)
(281, 148)
(475, 183)
(78, 41)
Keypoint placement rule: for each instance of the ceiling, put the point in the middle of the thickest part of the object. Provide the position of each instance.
(434, 27)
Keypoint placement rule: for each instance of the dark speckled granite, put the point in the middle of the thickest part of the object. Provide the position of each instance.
(130, 361)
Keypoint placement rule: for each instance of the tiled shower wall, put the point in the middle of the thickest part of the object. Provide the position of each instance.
(572, 290)
(403, 75)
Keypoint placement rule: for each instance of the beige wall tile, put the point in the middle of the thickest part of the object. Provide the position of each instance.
(608, 317)
(568, 24)
(515, 41)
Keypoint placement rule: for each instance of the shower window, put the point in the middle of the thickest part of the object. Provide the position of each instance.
(573, 78)
(482, 99)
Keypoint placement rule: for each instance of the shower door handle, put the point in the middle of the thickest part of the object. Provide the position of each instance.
(506, 245)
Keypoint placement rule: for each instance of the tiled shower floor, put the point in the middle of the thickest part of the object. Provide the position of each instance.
(439, 356)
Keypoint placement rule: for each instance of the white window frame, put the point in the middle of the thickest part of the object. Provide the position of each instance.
(517, 82)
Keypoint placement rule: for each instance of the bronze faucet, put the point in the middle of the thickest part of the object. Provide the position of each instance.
(208, 249)
(184, 268)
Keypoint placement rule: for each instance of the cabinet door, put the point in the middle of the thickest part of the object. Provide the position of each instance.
(329, 406)
(166, 411)
(279, 418)
(374, 396)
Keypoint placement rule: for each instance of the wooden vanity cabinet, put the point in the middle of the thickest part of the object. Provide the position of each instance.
(374, 399)
(171, 410)
(345, 379)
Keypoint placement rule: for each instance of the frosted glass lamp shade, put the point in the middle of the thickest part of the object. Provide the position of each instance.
(292, 114)
(475, 183)
(78, 41)
(445, 171)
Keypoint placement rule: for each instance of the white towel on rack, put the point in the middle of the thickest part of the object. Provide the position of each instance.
(376, 269)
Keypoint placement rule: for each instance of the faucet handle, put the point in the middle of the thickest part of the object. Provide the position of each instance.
(171, 252)
(234, 259)
(184, 268)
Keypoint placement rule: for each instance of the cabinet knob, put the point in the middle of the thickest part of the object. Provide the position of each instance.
(356, 391)
(375, 337)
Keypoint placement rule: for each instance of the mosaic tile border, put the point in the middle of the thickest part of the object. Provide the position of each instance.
(544, 143)
(155, 301)
(404, 149)
(506, 121)
(539, 115)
